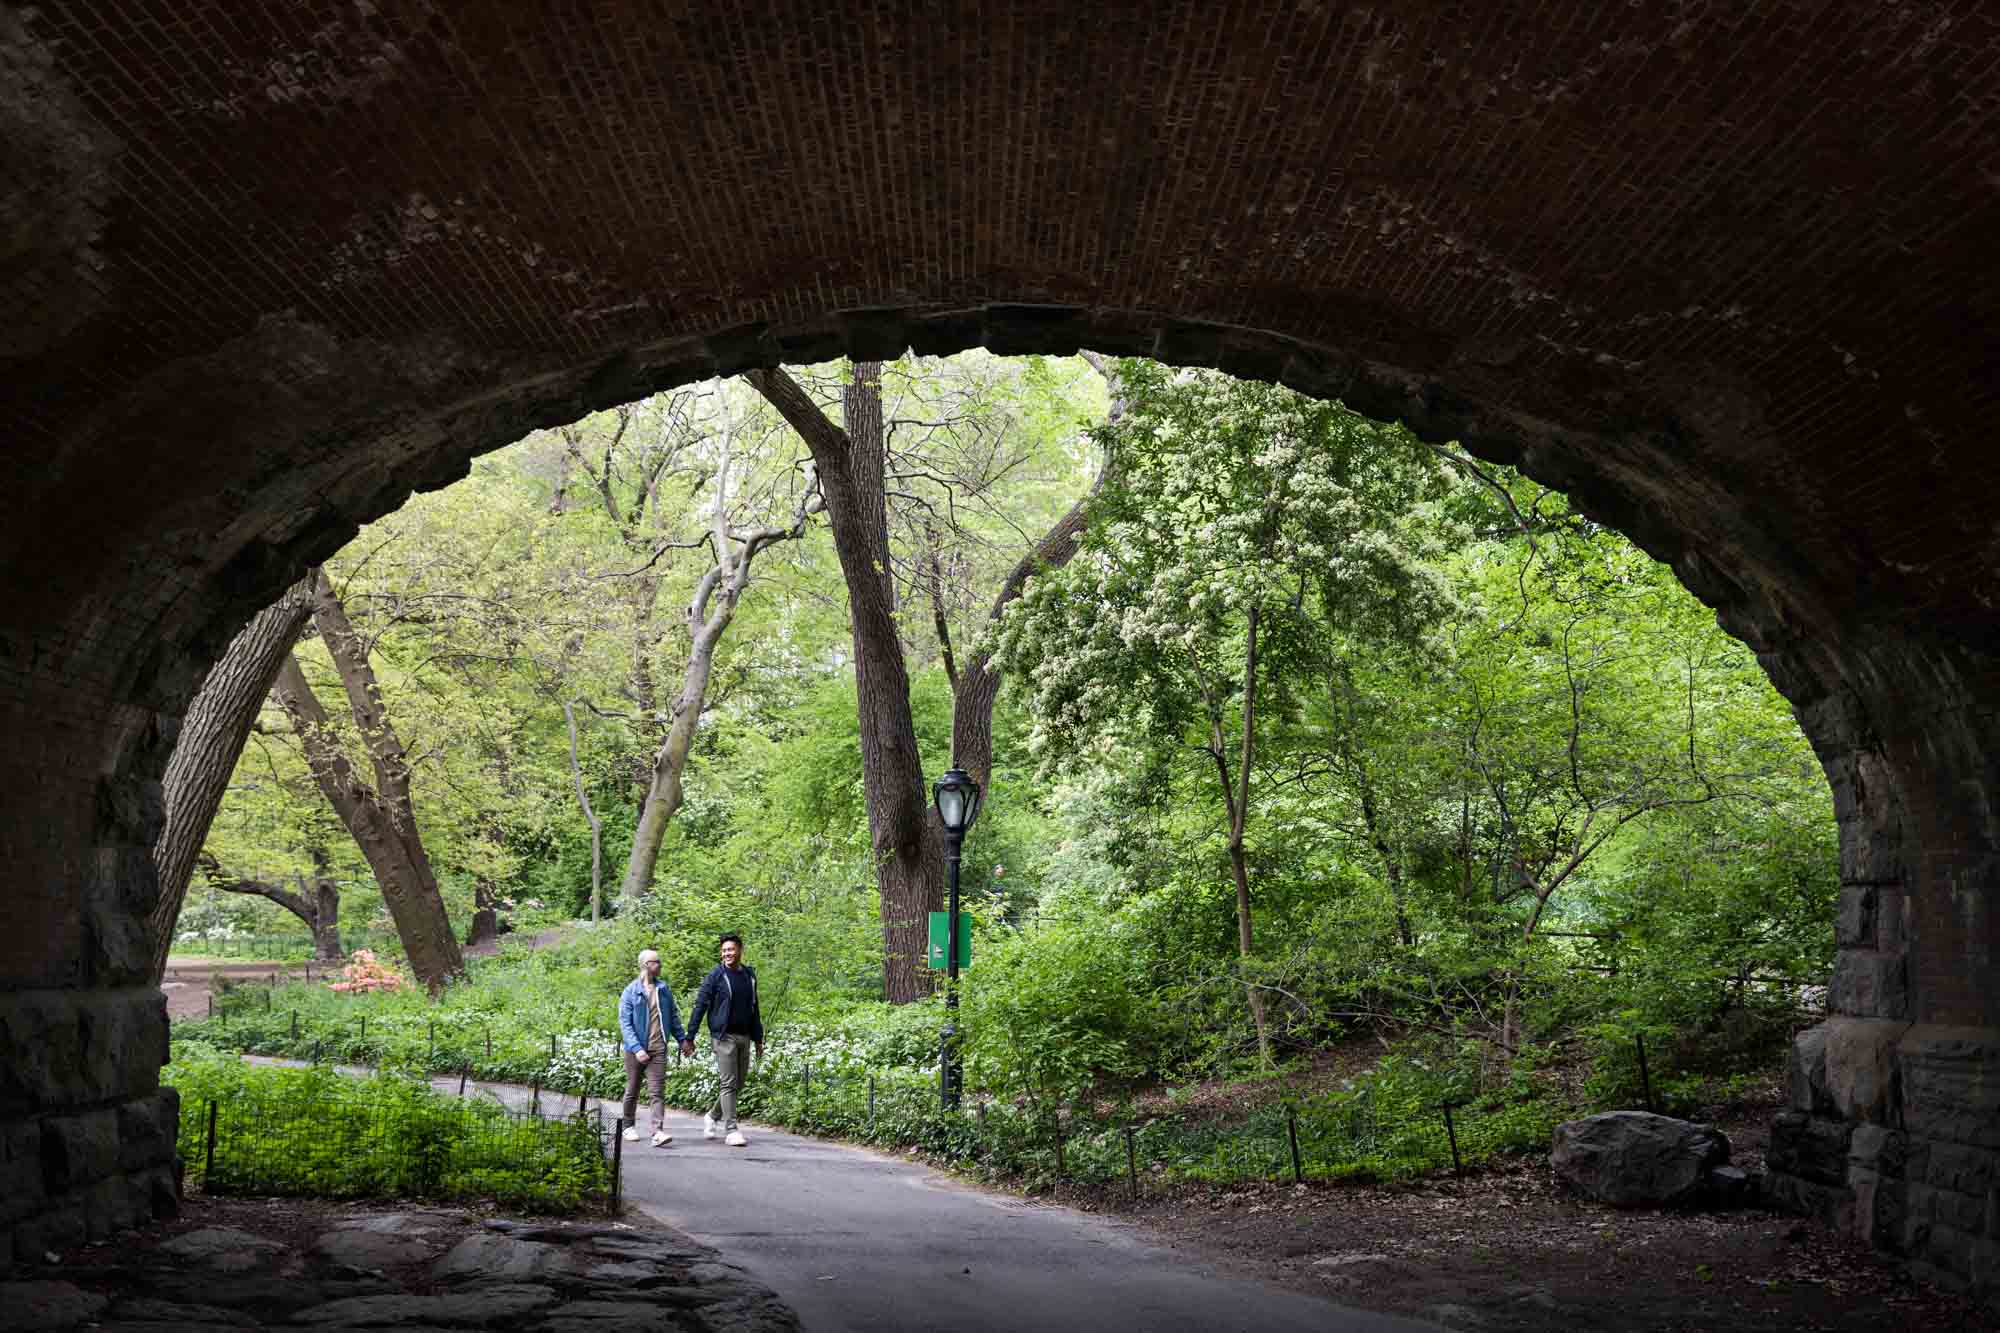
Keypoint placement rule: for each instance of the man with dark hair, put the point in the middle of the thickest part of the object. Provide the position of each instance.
(728, 996)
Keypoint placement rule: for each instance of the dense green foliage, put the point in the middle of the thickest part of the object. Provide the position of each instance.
(866, 1072)
(314, 1132)
(1513, 798)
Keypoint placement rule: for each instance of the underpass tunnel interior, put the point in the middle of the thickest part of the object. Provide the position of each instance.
(1728, 286)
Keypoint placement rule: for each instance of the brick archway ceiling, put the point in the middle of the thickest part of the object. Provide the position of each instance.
(1761, 238)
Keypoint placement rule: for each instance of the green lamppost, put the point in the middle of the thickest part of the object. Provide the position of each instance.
(957, 806)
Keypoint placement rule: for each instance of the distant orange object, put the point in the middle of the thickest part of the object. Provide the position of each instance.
(363, 973)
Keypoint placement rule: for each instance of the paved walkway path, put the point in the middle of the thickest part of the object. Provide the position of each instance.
(859, 1240)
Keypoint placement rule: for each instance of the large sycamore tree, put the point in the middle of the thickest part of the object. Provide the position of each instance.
(895, 513)
(741, 497)
(381, 817)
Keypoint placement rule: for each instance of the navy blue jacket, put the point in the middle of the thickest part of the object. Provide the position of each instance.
(720, 994)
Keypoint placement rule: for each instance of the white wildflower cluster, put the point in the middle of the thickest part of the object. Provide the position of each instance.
(692, 1082)
(1231, 496)
(585, 1057)
(793, 1049)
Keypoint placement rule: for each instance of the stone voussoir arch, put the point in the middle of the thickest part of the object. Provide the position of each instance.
(1634, 477)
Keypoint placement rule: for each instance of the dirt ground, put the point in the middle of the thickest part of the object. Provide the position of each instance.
(187, 983)
(1513, 1250)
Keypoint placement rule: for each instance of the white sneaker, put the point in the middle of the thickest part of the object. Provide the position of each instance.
(708, 1129)
(736, 1139)
(660, 1136)
(631, 1133)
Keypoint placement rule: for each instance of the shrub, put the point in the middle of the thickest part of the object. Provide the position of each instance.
(317, 1133)
(363, 973)
(1047, 1017)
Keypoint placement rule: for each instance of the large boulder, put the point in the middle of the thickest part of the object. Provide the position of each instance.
(1635, 1159)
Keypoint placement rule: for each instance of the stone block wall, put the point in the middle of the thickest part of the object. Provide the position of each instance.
(1893, 1132)
(1894, 1136)
(86, 1131)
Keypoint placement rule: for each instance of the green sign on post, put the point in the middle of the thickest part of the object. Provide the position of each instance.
(939, 937)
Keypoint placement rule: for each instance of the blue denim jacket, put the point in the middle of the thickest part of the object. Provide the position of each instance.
(633, 1018)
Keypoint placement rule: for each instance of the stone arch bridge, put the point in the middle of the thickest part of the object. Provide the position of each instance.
(1727, 273)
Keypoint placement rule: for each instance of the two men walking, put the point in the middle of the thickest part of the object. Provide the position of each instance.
(647, 1018)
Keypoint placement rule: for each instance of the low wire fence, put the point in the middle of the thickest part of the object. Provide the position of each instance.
(328, 1137)
(1353, 1134)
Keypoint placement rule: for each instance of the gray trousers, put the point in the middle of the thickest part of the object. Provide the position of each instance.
(732, 1062)
(655, 1070)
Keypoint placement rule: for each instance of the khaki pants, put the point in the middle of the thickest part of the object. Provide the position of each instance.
(732, 1062)
(655, 1070)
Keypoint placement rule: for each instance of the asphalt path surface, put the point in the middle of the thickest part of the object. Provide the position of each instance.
(859, 1240)
(854, 1239)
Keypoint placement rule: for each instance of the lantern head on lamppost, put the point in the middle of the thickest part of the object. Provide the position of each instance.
(957, 801)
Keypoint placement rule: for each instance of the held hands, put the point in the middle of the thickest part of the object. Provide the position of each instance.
(687, 1046)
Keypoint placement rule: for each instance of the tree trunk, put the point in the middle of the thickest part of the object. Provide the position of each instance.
(326, 921)
(1239, 868)
(903, 831)
(590, 817)
(1236, 800)
(644, 596)
(325, 891)
(316, 903)
(664, 792)
(205, 753)
(485, 926)
(382, 821)
(710, 612)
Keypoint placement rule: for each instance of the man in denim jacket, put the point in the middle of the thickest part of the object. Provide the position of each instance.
(646, 1018)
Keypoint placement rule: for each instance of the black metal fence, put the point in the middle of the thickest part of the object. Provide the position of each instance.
(1352, 1135)
(1381, 1130)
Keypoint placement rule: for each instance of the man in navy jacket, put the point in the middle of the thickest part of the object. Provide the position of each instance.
(728, 996)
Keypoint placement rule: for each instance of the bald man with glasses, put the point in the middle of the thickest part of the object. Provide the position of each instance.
(646, 1019)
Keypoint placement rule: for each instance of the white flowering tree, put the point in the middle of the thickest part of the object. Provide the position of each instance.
(1247, 531)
